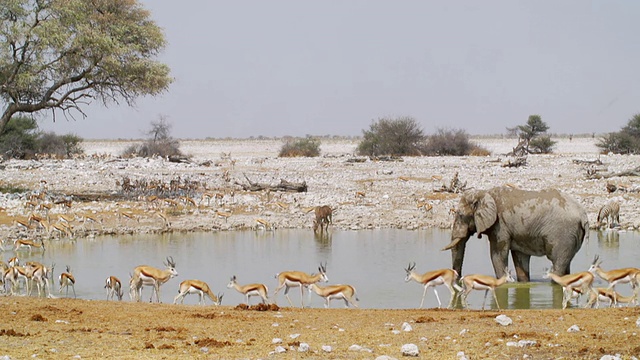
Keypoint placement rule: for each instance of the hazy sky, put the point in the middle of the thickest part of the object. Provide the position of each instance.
(275, 68)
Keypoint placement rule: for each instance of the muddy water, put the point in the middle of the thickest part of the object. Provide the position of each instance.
(372, 261)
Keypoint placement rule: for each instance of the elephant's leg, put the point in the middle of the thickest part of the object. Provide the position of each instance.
(521, 262)
(499, 257)
(561, 264)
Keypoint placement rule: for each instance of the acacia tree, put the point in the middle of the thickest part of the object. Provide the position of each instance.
(532, 135)
(63, 54)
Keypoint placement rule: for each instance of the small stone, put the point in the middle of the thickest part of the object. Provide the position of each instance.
(406, 327)
(410, 350)
(462, 356)
(294, 336)
(326, 348)
(573, 328)
(276, 341)
(395, 332)
(385, 357)
(638, 323)
(355, 348)
(204, 349)
(524, 343)
(464, 331)
(304, 347)
(611, 357)
(504, 320)
(280, 350)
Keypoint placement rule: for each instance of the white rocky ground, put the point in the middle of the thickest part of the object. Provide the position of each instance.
(392, 189)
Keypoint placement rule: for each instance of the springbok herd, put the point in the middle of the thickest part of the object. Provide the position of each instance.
(16, 276)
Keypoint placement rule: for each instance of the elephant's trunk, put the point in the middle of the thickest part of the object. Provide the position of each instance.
(457, 247)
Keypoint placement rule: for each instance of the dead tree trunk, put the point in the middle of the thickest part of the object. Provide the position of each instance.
(284, 185)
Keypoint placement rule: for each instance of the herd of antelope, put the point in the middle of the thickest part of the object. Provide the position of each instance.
(574, 285)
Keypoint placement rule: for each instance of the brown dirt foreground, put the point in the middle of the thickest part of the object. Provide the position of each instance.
(67, 328)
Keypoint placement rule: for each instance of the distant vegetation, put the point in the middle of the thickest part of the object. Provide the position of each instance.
(404, 137)
(452, 142)
(159, 143)
(308, 147)
(625, 141)
(21, 139)
(533, 137)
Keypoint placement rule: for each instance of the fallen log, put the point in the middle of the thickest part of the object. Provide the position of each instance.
(587, 162)
(517, 162)
(179, 159)
(632, 172)
(284, 186)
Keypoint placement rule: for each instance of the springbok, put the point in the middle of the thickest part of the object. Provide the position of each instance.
(151, 276)
(582, 280)
(617, 276)
(250, 290)
(344, 292)
(67, 279)
(114, 287)
(483, 282)
(197, 287)
(433, 278)
(289, 279)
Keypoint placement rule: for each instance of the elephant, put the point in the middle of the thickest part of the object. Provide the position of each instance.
(539, 223)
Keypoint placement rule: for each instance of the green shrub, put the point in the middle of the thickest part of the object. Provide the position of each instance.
(12, 189)
(625, 141)
(22, 140)
(619, 143)
(19, 138)
(308, 147)
(400, 137)
(448, 142)
(541, 145)
(60, 146)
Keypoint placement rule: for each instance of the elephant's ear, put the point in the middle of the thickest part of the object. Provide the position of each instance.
(486, 213)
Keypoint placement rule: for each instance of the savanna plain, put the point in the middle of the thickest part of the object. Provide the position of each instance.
(390, 195)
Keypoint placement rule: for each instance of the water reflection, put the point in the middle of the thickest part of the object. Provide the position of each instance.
(609, 239)
(373, 261)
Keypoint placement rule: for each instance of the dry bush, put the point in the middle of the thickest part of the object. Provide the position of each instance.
(449, 142)
(400, 137)
(307, 147)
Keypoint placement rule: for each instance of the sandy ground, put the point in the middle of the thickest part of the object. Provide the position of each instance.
(63, 328)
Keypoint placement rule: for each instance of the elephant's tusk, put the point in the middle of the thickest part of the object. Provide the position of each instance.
(452, 244)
